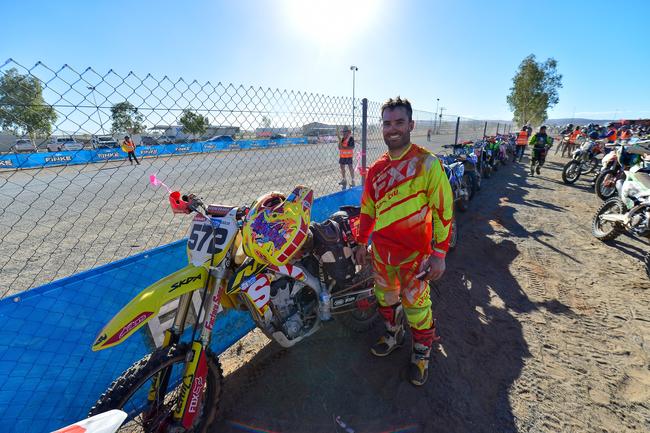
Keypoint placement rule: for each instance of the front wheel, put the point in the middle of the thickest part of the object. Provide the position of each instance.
(608, 230)
(646, 260)
(129, 393)
(571, 172)
(605, 184)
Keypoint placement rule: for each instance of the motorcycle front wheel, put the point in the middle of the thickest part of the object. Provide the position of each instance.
(571, 172)
(605, 184)
(129, 393)
(606, 230)
(453, 236)
(646, 260)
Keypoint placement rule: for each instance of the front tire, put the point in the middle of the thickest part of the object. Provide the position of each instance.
(605, 184)
(129, 392)
(571, 172)
(612, 230)
(646, 260)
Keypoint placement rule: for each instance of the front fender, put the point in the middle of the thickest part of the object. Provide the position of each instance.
(147, 304)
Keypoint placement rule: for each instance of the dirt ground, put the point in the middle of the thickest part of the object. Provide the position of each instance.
(545, 329)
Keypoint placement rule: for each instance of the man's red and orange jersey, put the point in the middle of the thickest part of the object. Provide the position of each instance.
(402, 196)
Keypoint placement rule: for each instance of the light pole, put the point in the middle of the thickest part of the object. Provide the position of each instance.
(92, 91)
(434, 124)
(440, 118)
(354, 69)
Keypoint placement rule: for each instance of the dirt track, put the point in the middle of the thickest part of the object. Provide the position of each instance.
(545, 329)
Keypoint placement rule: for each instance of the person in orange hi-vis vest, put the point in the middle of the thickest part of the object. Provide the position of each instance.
(346, 155)
(573, 141)
(522, 141)
(407, 205)
(129, 147)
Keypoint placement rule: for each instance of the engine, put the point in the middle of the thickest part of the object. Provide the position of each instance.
(293, 307)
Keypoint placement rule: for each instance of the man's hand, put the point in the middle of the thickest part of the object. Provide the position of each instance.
(436, 267)
(361, 255)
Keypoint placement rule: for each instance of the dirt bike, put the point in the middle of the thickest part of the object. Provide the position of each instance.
(466, 154)
(455, 171)
(177, 387)
(107, 422)
(614, 166)
(584, 161)
(629, 212)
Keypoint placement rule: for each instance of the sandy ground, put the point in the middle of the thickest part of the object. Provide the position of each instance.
(545, 329)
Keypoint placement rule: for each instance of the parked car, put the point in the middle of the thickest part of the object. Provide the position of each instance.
(58, 144)
(277, 136)
(221, 139)
(148, 141)
(24, 145)
(166, 139)
(103, 141)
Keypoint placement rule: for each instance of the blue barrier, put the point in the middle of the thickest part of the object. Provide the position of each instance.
(72, 157)
(49, 377)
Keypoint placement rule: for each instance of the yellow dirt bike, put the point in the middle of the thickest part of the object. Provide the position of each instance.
(269, 259)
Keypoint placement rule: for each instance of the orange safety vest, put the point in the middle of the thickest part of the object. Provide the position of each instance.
(522, 138)
(128, 146)
(612, 138)
(574, 135)
(344, 150)
(626, 135)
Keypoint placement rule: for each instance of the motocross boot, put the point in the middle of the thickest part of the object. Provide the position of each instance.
(393, 316)
(423, 340)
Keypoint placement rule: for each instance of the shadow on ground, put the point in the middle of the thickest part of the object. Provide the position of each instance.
(483, 351)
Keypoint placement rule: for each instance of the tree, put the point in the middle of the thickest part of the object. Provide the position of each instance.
(266, 122)
(193, 123)
(126, 118)
(534, 90)
(22, 107)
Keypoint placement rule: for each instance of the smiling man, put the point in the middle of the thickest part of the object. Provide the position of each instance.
(406, 193)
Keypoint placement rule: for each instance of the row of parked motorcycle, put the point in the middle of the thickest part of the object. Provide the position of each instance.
(621, 173)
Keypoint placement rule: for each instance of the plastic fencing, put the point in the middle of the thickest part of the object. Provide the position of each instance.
(49, 377)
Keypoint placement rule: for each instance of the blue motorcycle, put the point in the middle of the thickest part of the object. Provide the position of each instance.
(455, 170)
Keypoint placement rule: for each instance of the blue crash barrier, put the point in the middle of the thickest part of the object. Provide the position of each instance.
(49, 377)
(71, 157)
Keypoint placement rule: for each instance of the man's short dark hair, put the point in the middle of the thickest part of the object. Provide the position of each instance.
(394, 103)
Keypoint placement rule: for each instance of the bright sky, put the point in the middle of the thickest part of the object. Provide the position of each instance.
(464, 52)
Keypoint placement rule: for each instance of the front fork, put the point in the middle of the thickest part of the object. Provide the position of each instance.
(196, 367)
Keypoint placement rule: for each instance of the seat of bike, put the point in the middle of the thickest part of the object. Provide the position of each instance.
(217, 210)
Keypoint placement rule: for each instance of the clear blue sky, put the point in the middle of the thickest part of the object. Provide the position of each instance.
(463, 52)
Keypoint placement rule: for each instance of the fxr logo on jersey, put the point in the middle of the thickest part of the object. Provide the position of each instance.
(394, 175)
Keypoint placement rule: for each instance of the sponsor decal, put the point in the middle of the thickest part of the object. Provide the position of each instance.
(183, 148)
(100, 339)
(183, 282)
(129, 327)
(60, 158)
(6, 163)
(108, 155)
(195, 397)
(233, 146)
(344, 300)
(209, 147)
(148, 151)
(213, 315)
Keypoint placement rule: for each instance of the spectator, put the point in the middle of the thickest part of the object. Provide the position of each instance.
(129, 147)
(522, 141)
(346, 154)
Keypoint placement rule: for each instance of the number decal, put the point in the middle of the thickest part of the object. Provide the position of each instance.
(208, 237)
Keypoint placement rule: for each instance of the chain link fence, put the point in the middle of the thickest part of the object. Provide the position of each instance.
(58, 220)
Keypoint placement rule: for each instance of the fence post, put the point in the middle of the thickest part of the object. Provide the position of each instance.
(485, 129)
(364, 138)
(457, 125)
(497, 133)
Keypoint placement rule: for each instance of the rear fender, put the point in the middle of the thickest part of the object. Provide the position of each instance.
(147, 305)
